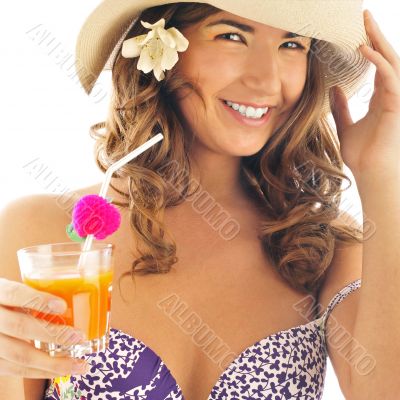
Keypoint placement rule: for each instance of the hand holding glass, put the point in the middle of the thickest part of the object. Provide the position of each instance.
(86, 289)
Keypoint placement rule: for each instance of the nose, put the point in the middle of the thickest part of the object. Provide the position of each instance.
(261, 71)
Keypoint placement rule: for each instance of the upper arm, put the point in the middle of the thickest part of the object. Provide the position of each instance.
(27, 221)
(346, 267)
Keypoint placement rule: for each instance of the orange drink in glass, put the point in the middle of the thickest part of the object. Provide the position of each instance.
(86, 289)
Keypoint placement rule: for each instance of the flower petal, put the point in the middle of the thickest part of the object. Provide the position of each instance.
(132, 47)
(181, 42)
(149, 36)
(166, 37)
(158, 73)
(146, 61)
(160, 23)
(169, 58)
(156, 48)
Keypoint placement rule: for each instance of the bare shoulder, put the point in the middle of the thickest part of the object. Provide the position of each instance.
(27, 221)
(36, 219)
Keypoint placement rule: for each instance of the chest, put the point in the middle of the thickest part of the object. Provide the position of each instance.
(220, 291)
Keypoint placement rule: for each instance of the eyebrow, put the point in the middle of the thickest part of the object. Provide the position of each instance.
(246, 28)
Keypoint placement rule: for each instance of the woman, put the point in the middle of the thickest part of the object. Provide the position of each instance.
(239, 313)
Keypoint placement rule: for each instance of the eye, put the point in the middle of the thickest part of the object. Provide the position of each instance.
(299, 46)
(231, 34)
(224, 35)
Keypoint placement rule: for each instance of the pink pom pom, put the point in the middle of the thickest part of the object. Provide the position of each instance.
(93, 215)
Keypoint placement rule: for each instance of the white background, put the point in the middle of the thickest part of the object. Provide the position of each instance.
(45, 115)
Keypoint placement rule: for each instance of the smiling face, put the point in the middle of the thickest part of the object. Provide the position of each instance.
(247, 63)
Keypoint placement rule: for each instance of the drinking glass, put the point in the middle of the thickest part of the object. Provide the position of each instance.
(83, 279)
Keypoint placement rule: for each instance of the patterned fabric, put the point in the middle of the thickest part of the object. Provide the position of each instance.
(289, 364)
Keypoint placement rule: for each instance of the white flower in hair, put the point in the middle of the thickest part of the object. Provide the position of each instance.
(158, 49)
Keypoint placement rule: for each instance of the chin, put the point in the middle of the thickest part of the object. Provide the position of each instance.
(250, 145)
(235, 144)
(244, 151)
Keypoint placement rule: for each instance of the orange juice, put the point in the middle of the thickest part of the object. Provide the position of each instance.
(88, 298)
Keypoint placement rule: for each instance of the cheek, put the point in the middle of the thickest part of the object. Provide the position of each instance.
(210, 69)
(293, 80)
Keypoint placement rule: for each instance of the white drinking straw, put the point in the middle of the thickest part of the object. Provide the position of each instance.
(107, 179)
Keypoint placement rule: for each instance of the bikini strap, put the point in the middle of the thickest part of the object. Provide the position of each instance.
(338, 298)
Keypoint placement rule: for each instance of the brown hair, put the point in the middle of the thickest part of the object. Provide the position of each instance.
(296, 177)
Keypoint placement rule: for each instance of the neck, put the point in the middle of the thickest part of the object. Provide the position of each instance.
(219, 176)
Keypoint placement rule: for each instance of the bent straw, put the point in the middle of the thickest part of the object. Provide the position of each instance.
(107, 179)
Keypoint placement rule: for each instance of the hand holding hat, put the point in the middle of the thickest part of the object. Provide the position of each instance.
(371, 145)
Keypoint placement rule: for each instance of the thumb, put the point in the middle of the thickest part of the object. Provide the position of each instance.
(340, 109)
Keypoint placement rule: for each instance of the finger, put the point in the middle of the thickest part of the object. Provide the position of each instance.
(27, 356)
(380, 43)
(388, 75)
(17, 294)
(340, 111)
(377, 81)
(10, 369)
(24, 326)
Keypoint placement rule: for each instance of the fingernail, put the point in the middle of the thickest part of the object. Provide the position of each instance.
(57, 305)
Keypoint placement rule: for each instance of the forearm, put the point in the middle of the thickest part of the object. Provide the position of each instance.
(377, 323)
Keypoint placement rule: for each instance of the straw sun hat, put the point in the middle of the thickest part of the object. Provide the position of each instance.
(338, 22)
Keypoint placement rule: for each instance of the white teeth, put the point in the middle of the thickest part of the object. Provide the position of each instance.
(242, 109)
(259, 113)
(249, 112)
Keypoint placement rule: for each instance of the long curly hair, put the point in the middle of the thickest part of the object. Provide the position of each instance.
(295, 178)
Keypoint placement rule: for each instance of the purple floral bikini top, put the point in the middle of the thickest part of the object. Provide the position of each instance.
(290, 364)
